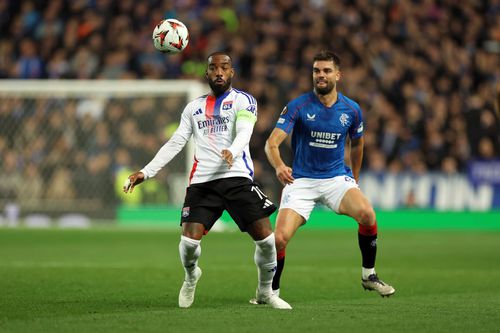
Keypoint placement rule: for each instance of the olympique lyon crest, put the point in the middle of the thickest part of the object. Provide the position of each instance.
(227, 105)
(185, 212)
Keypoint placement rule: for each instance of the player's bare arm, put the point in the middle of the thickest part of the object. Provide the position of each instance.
(283, 172)
(356, 156)
(133, 180)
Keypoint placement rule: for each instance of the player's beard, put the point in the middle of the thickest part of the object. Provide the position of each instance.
(324, 90)
(218, 88)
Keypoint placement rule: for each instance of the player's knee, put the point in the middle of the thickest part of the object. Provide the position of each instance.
(366, 215)
(281, 241)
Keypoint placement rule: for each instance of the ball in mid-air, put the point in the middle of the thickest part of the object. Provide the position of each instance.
(170, 36)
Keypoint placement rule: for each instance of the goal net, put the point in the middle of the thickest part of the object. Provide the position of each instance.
(68, 146)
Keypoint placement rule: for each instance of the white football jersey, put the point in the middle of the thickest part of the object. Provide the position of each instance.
(211, 121)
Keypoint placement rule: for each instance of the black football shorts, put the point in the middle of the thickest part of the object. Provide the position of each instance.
(241, 197)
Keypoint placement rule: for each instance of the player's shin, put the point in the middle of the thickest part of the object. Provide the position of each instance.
(280, 257)
(367, 240)
(189, 250)
(265, 259)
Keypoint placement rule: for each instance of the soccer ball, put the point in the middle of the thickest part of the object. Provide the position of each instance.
(170, 36)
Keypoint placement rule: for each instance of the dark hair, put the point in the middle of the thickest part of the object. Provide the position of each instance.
(219, 53)
(325, 55)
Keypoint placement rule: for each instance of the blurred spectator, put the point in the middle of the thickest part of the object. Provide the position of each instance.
(7, 58)
(84, 64)
(11, 176)
(60, 187)
(29, 65)
(32, 186)
(486, 149)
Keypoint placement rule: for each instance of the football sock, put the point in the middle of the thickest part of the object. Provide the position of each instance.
(190, 251)
(265, 259)
(366, 272)
(367, 240)
(279, 269)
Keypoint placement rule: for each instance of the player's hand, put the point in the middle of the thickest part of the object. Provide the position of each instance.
(284, 174)
(133, 180)
(227, 156)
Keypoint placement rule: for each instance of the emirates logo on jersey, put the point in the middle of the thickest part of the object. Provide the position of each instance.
(214, 125)
(213, 122)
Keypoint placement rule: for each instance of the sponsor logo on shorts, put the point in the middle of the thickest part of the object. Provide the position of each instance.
(286, 198)
(349, 179)
(267, 204)
(185, 212)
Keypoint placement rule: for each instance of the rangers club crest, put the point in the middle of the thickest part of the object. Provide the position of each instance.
(344, 119)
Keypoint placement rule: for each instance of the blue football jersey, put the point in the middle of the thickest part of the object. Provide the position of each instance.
(319, 134)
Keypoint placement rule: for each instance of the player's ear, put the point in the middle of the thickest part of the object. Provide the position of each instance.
(206, 74)
(232, 72)
(338, 76)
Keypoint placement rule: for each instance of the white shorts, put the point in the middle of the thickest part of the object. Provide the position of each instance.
(303, 193)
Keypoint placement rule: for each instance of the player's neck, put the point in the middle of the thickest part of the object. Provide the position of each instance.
(218, 93)
(329, 99)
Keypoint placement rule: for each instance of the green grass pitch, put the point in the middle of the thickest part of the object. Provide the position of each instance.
(127, 280)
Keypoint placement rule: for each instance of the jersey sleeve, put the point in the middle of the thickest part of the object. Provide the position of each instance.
(246, 109)
(246, 116)
(287, 118)
(356, 129)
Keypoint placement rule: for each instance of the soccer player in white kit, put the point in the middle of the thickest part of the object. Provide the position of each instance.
(221, 124)
(321, 121)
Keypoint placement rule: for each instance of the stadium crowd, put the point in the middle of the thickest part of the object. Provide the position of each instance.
(425, 72)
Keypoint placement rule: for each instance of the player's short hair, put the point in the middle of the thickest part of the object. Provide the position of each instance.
(325, 55)
(219, 53)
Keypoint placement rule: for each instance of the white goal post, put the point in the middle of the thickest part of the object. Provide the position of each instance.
(31, 112)
(101, 88)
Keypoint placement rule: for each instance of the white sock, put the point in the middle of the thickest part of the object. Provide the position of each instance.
(265, 259)
(190, 251)
(366, 272)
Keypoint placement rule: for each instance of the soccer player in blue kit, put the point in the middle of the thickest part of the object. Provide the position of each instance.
(321, 121)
